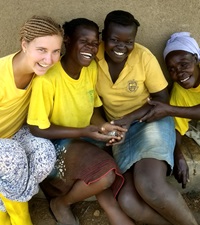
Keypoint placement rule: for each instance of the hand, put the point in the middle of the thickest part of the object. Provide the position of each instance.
(158, 111)
(181, 170)
(95, 132)
(122, 134)
(124, 122)
(113, 131)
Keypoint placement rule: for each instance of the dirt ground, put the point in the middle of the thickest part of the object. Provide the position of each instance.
(90, 213)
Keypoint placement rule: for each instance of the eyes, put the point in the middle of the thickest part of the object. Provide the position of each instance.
(180, 67)
(94, 44)
(44, 50)
(116, 41)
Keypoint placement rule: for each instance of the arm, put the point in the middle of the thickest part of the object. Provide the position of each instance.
(142, 111)
(181, 170)
(105, 127)
(160, 110)
(59, 132)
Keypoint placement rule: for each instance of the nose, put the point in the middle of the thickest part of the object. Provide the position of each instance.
(178, 69)
(121, 45)
(48, 59)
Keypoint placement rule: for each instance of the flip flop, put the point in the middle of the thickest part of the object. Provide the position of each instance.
(59, 223)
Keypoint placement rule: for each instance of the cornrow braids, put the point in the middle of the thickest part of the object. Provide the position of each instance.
(39, 26)
(71, 26)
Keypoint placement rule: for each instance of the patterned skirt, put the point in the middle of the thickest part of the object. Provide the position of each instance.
(25, 160)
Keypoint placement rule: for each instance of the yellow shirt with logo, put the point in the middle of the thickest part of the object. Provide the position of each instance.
(13, 101)
(184, 97)
(140, 76)
(59, 99)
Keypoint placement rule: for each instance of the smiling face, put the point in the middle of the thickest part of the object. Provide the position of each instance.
(183, 68)
(119, 41)
(83, 45)
(42, 53)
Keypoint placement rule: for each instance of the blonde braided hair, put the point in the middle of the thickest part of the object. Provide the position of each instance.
(39, 26)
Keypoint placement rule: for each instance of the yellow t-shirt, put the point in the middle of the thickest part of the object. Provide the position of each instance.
(184, 97)
(13, 101)
(57, 98)
(140, 76)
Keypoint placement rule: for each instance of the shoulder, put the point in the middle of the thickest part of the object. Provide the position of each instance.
(141, 54)
(7, 59)
(100, 54)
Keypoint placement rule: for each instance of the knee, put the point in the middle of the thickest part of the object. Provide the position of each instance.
(12, 158)
(132, 206)
(43, 154)
(108, 180)
(126, 202)
(42, 158)
(153, 193)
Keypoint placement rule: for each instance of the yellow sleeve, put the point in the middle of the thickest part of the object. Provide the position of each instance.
(177, 98)
(97, 100)
(155, 79)
(41, 103)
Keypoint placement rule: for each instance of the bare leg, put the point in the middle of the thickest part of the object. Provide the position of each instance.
(112, 209)
(80, 191)
(150, 182)
(135, 207)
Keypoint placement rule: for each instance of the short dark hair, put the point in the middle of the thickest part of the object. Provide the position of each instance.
(71, 26)
(120, 17)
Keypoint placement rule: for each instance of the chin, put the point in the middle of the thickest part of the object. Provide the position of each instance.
(40, 73)
(187, 86)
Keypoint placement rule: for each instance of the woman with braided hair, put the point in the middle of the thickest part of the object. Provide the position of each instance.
(25, 160)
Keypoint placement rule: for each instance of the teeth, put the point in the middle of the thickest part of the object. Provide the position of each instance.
(187, 78)
(119, 53)
(43, 65)
(86, 55)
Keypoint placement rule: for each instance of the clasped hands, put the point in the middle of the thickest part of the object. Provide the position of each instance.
(114, 133)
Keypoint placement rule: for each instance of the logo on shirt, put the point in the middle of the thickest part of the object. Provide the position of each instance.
(132, 86)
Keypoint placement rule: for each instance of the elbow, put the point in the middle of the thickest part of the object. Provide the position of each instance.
(35, 130)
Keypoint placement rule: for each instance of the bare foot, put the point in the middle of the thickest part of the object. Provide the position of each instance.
(62, 213)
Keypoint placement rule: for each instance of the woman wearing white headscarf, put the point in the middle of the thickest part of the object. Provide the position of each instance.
(182, 57)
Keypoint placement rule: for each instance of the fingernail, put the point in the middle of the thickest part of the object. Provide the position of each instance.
(102, 128)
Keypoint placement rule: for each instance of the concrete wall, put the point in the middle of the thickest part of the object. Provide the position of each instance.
(158, 18)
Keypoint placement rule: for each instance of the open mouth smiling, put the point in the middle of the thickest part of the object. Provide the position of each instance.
(119, 53)
(185, 79)
(43, 65)
(86, 55)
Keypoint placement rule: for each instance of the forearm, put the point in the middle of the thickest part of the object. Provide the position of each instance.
(98, 117)
(56, 132)
(139, 113)
(177, 151)
(185, 112)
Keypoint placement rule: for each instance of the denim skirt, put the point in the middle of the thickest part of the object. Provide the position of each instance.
(147, 140)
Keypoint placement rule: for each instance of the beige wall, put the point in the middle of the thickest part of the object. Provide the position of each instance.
(158, 18)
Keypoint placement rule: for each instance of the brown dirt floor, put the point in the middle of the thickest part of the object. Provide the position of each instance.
(90, 213)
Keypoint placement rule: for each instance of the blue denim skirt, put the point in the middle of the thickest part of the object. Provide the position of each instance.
(147, 140)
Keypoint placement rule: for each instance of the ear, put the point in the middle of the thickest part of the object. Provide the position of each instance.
(196, 58)
(24, 45)
(66, 40)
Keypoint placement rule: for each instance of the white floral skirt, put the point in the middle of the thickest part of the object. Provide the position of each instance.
(25, 161)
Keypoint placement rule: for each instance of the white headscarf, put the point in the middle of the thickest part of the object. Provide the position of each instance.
(182, 41)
